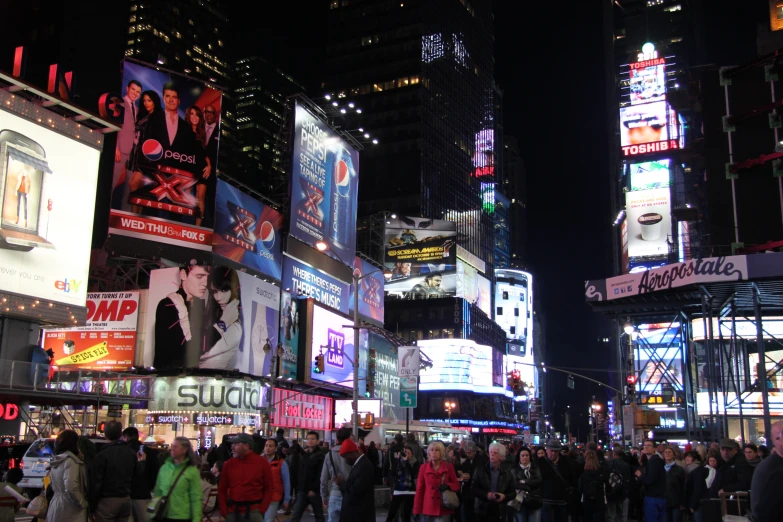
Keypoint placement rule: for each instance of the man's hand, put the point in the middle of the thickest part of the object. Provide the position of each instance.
(117, 155)
(720, 491)
(205, 173)
(339, 479)
(500, 497)
(638, 473)
(311, 494)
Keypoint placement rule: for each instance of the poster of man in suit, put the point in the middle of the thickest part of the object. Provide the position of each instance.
(171, 166)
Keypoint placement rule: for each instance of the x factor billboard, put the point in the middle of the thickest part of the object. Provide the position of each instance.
(370, 284)
(420, 257)
(247, 232)
(210, 318)
(324, 186)
(47, 204)
(165, 162)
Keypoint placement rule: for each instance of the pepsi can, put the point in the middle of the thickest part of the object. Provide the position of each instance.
(343, 214)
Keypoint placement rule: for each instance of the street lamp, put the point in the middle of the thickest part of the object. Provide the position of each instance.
(449, 406)
(357, 276)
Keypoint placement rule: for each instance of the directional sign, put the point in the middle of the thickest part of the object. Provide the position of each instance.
(408, 358)
(408, 392)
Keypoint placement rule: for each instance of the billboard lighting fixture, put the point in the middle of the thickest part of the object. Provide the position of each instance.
(375, 142)
(328, 96)
(366, 134)
(335, 103)
(394, 216)
(321, 246)
(359, 111)
(343, 110)
(628, 328)
(360, 129)
(351, 105)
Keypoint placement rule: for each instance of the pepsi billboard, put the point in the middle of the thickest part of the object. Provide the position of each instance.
(165, 161)
(324, 186)
(247, 232)
(302, 280)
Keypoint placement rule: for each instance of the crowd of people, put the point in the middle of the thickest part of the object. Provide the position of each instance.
(247, 477)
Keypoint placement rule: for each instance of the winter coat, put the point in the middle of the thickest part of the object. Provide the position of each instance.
(695, 487)
(69, 482)
(675, 487)
(593, 480)
(427, 500)
(407, 475)
(310, 465)
(736, 474)
(482, 485)
(531, 484)
(185, 500)
(555, 489)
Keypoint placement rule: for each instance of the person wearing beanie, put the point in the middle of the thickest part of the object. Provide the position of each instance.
(359, 488)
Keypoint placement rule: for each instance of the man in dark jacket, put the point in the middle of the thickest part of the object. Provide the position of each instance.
(473, 461)
(617, 499)
(308, 487)
(654, 480)
(559, 483)
(735, 473)
(359, 488)
(392, 460)
(145, 475)
(493, 487)
(111, 477)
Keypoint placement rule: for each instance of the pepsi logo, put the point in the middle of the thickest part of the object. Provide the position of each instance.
(152, 150)
(342, 178)
(267, 235)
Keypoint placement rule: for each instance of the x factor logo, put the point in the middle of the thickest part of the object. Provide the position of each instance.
(371, 287)
(311, 205)
(243, 223)
(168, 189)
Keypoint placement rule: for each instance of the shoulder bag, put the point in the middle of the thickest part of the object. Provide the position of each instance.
(159, 506)
(448, 498)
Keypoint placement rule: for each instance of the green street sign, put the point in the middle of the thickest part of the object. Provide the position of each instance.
(409, 392)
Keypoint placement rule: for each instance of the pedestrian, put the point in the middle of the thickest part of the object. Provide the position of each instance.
(9, 505)
(617, 494)
(358, 490)
(695, 484)
(410, 438)
(435, 476)
(559, 483)
(654, 480)
(375, 459)
(308, 489)
(493, 486)
(735, 472)
(751, 454)
(111, 476)
(675, 486)
(713, 476)
(766, 502)
(281, 481)
(473, 459)
(245, 487)
(144, 476)
(69, 480)
(592, 488)
(180, 482)
(392, 459)
(333, 466)
(280, 438)
(404, 487)
(527, 478)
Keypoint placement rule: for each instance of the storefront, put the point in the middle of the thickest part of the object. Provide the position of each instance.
(297, 413)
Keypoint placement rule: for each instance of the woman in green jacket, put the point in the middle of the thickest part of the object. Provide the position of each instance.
(184, 501)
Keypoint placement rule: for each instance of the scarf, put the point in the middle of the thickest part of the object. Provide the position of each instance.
(710, 476)
(525, 471)
(669, 466)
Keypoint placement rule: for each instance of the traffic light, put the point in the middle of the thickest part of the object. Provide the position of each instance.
(515, 382)
(631, 387)
(318, 366)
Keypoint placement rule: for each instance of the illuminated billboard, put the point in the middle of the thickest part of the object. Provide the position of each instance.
(324, 186)
(330, 338)
(488, 197)
(303, 280)
(514, 305)
(247, 232)
(647, 81)
(343, 409)
(107, 342)
(474, 288)
(165, 167)
(458, 364)
(650, 174)
(47, 188)
(420, 258)
(649, 128)
(211, 318)
(370, 290)
(484, 153)
(649, 222)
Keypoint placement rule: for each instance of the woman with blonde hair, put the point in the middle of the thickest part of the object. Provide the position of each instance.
(435, 476)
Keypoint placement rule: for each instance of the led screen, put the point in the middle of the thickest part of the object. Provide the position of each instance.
(458, 364)
(650, 175)
(334, 341)
(649, 222)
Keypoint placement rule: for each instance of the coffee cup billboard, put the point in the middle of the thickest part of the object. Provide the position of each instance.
(649, 222)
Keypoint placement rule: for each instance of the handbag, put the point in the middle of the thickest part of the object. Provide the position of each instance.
(159, 506)
(448, 498)
(38, 506)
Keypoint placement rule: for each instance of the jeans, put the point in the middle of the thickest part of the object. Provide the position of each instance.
(271, 512)
(654, 509)
(526, 515)
(554, 513)
(255, 516)
(617, 510)
(335, 504)
(403, 503)
(302, 500)
(673, 514)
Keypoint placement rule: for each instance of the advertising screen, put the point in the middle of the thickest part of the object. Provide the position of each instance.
(107, 342)
(473, 287)
(247, 232)
(343, 409)
(210, 318)
(289, 334)
(385, 379)
(513, 309)
(47, 188)
(647, 81)
(649, 222)
(647, 128)
(331, 339)
(370, 290)
(421, 257)
(650, 174)
(458, 364)
(324, 186)
(307, 281)
(484, 153)
(163, 188)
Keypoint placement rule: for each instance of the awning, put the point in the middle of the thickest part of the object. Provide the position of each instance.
(34, 162)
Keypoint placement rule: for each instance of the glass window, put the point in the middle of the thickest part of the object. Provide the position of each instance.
(779, 10)
(42, 448)
(513, 330)
(499, 310)
(516, 312)
(505, 296)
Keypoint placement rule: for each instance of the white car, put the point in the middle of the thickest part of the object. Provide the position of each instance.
(35, 463)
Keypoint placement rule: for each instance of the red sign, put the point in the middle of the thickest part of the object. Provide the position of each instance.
(499, 431)
(647, 148)
(297, 410)
(9, 411)
(127, 224)
(102, 350)
(648, 63)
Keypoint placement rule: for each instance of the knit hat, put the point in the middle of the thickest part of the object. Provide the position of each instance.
(348, 446)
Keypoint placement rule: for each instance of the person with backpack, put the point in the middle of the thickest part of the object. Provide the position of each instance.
(592, 489)
(617, 487)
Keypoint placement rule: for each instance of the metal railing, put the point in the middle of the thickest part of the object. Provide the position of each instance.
(44, 379)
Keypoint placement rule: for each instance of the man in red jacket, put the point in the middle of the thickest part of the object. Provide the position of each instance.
(245, 489)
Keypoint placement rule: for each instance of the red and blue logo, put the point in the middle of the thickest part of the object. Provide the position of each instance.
(343, 178)
(267, 235)
(152, 150)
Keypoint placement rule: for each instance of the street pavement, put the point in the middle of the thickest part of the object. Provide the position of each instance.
(308, 517)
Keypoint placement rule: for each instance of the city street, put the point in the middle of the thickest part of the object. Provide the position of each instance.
(308, 517)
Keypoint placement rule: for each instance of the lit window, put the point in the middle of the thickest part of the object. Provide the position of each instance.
(779, 10)
(132, 18)
(191, 22)
(334, 4)
(133, 8)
